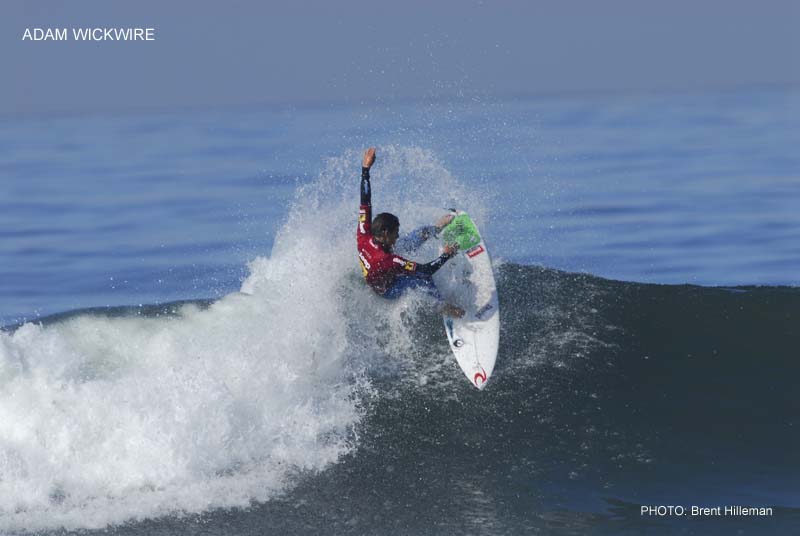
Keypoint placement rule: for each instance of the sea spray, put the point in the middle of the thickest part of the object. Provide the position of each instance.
(106, 419)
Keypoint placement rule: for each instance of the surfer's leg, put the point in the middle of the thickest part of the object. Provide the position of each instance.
(403, 284)
(429, 288)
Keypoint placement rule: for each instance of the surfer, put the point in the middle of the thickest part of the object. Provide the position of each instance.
(388, 274)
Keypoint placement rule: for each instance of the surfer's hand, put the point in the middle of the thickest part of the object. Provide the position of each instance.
(450, 249)
(443, 221)
(369, 158)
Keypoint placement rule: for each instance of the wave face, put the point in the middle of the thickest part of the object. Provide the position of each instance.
(606, 396)
(318, 407)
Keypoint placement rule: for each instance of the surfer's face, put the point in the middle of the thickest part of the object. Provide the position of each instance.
(389, 238)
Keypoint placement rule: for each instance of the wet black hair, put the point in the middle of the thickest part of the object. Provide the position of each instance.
(385, 222)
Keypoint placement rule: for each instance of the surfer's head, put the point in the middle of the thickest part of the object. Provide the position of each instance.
(385, 229)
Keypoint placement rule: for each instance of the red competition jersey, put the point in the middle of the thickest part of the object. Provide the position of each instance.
(379, 267)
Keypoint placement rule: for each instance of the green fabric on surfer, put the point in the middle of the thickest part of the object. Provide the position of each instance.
(461, 231)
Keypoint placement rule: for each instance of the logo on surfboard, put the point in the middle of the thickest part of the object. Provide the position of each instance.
(479, 378)
(483, 310)
(474, 252)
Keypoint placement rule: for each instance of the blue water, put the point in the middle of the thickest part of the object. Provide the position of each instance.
(189, 347)
(127, 209)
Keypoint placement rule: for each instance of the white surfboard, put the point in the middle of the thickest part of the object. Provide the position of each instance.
(467, 281)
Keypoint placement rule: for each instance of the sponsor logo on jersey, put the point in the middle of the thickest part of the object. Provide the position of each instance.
(362, 219)
(365, 265)
(407, 265)
(474, 252)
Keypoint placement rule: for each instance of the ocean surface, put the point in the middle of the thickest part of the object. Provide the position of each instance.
(189, 349)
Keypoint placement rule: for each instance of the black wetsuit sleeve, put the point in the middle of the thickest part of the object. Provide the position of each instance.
(366, 189)
(430, 268)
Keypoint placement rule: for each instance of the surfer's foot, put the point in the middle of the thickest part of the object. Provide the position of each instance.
(452, 310)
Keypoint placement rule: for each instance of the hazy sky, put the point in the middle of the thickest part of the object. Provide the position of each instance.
(243, 52)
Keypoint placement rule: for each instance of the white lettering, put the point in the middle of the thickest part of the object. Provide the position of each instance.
(706, 511)
(42, 34)
(365, 261)
(103, 34)
(662, 511)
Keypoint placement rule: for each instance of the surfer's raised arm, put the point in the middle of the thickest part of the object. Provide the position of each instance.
(366, 163)
(365, 210)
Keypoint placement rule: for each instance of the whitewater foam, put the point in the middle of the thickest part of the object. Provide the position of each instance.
(105, 419)
(109, 419)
